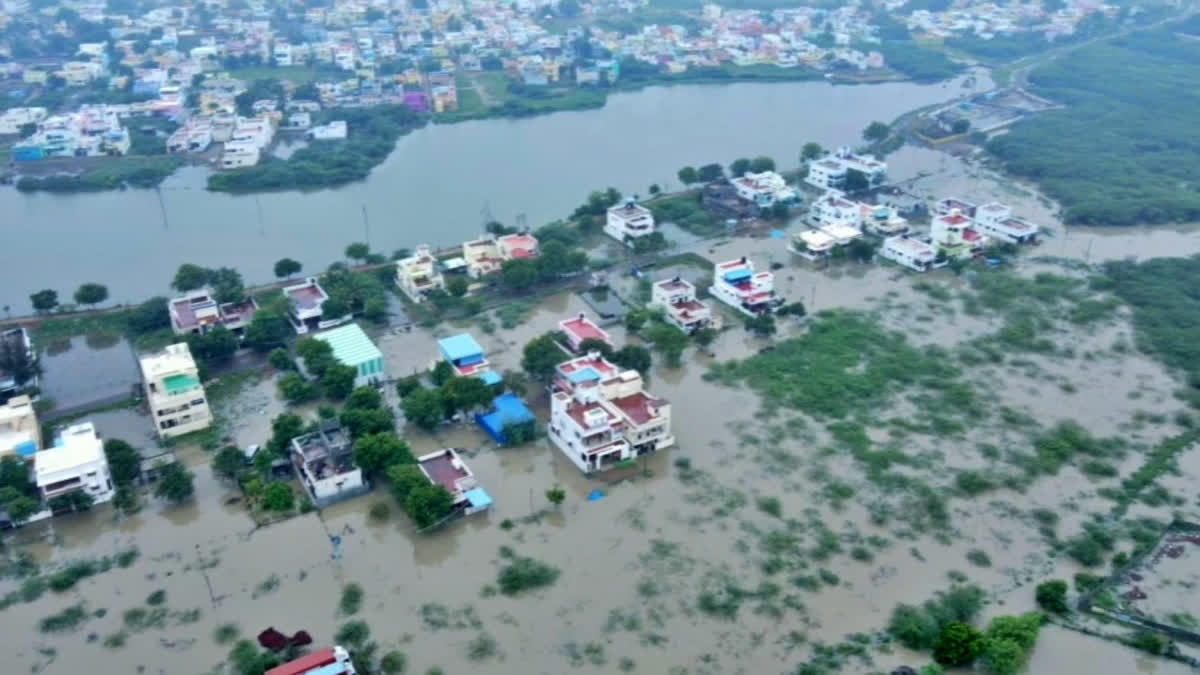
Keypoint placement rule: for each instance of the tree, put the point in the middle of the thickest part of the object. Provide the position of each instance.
(541, 357)
(442, 372)
(91, 294)
(458, 286)
(780, 210)
(705, 336)
(428, 504)
(229, 462)
(739, 167)
(465, 394)
(280, 359)
(149, 316)
(20, 507)
(338, 381)
(710, 172)
(654, 189)
(518, 274)
(296, 389)
(76, 500)
(286, 267)
(358, 251)
(227, 285)
(687, 175)
(124, 461)
(856, 181)
(424, 408)
(218, 344)
(268, 329)
(278, 496)
(669, 340)
(633, 357)
(364, 398)
(1052, 596)
(876, 132)
(17, 361)
(762, 325)
(334, 307)
(958, 645)
(762, 163)
(811, 151)
(360, 421)
(284, 428)
(44, 300)
(556, 496)
(861, 250)
(377, 452)
(189, 277)
(176, 484)
(317, 355)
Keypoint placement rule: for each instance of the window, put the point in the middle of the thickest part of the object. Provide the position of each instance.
(197, 401)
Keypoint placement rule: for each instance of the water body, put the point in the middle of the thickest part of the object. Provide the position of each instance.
(433, 188)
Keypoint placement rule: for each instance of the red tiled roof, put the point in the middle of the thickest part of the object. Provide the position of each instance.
(637, 407)
(971, 235)
(955, 219)
(305, 663)
(582, 329)
(523, 253)
(577, 412)
(307, 297)
(442, 471)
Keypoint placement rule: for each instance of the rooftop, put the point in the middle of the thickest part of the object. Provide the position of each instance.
(445, 468)
(306, 663)
(639, 407)
(350, 344)
(77, 445)
(174, 359)
(675, 284)
(459, 346)
(306, 296)
(583, 328)
(911, 246)
(955, 219)
(629, 210)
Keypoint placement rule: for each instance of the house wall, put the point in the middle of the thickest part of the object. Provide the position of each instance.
(331, 490)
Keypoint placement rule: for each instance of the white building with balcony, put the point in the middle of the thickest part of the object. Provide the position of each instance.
(829, 172)
(601, 416)
(628, 222)
(998, 222)
(763, 189)
(418, 274)
(914, 254)
(174, 393)
(677, 298)
(953, 235)
(832, 208)
(737, 284)
(882, 221)
(75, 462)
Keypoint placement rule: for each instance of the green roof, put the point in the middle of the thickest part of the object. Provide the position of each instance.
(176, 384)
(350, 344)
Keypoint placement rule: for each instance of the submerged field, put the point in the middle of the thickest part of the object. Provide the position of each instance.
(925, 433)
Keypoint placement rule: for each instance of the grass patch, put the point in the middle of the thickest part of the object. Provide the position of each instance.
(352, 597)
(67, 620)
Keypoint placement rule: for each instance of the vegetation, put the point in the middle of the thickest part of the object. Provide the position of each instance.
(522, 574)
(920, 627)
(176, 484)
(112, 174)
(917, 62)
(1052, 596)
(1124, 148)
(352, 597)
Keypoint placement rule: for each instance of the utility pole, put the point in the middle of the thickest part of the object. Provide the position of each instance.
(162, 207)
(366, 227)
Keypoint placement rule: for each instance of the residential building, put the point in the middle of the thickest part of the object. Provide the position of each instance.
(832, 208)
(881, 221)
(763, 189)
(306, 300)
(954, 237)
(997, 221)
(812, 244)
(579, 329)
(75, 462)
(517, 245)
(20, 433)
(418, 274)
(507, 410)
(945, 207)
(677, 297)
(736, 284)
(628, 221)
(601, 416)
(911, 253)
(173, 392)
(351, 347)
(829, 172)
(333, 131)
(446, 468)
(327, 661)
(198, 312)
(482, 256)
(841, 234)
(16, 339)
(324, 464)
(467, 358)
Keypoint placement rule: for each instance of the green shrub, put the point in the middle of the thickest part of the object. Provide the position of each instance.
(522, 574)
(958, 645)
(1052, 596)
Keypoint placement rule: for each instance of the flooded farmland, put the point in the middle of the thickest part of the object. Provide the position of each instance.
(782, 530)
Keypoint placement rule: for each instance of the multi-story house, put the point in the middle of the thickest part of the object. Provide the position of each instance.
(20, 433)
(466, 357)
(418, 274)
(681, 309)
(882, 221)
(601, 416)
(579, 329)
(763, 189)
(832, 208)
(198, 312)
(737, 284)
(306, 301)
(76, 462)
(952, 235)
(830, 172)
(997, 221)
(174, 393)
(324, 463)
(628, 222)
(912, 253)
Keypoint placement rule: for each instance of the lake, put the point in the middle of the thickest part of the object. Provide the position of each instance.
(436, 187)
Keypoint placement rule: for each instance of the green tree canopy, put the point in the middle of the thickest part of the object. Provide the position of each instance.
(710, 172)
(44, 300)
(427, 504)
(762, 163)
(189, 277)
(633, 357)
(739, 167)
(278, 496)
(286, 267)
(176, 484)
(91, 294)
(424, 408)
(338, 381)
(687, 175)
(811, 151)
(875, 132)
(541, 357)
(404, 478)
(358, 251)
(466, 394)
(375, 453)
(958, 645)
(518, 274)
(124, 461)
(229, 462)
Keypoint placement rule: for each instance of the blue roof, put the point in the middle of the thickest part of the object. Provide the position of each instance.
(507, 409)
(331, 669)
(459, 346)
(588, 374)
(491, 377)
(478, 497)
(26, 449)
(737, 275)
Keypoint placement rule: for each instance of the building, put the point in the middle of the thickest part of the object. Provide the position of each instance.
(351, 347)
(832, 208)
(482, 256)
(173, 392)
(198, 312)
(945, 207)
(305, 300)
(812, 244)
(328, 661)
(580, 329)
(681, 309)
(601, 416)
(334, 131)
(953, 236)
(324, 464)
(20, 433)
(517, 245)
(881, 221)
(17, 339)
(628, 221)
(507, 410)
(418, 274)
(763, 189)
(76, 462)
(446, 468)
(996, 220)
(912, 253)
(467, 358)
(831, 171)
(736, 284)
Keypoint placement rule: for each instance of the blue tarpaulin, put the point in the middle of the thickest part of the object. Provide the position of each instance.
(506, 409)
(478, 498)
(491, 377)
(595, 495)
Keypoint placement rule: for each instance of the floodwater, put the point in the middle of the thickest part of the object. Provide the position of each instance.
(83, 370)
(439, 186)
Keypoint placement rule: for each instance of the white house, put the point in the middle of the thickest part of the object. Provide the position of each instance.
(997, 221)
(418, 274)
(681, 309)
(763, 189)
(881, 221)
(832, 208)
(306, 300)
(76, 462)
(601, 415)
(324, 463)
(945, 207)
(812, 244)
(628, 221)
(173, 392)
(20, 433)
(912, 253)
(829, 172)
(736, 284)
(333, 131)
(482, 256)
